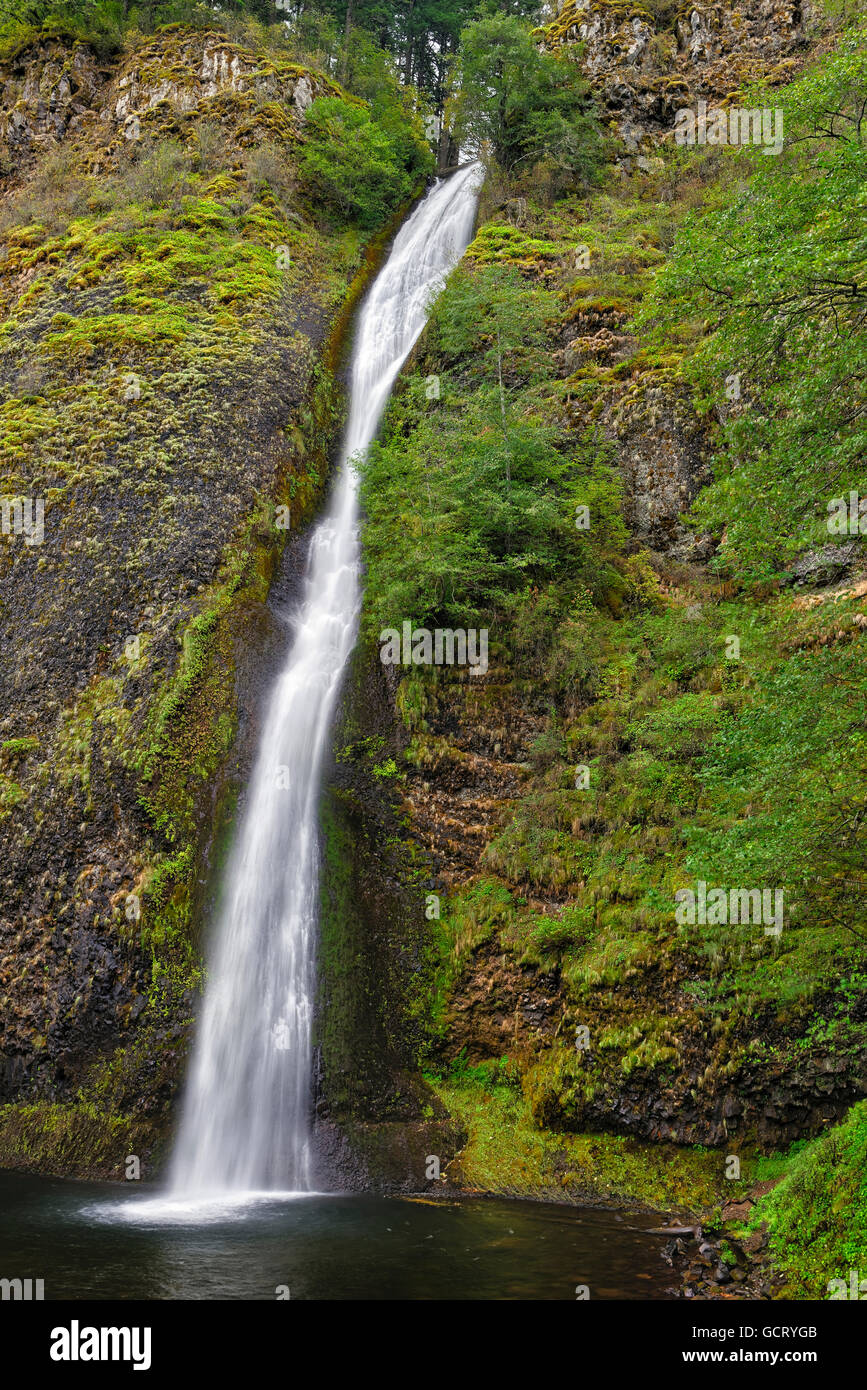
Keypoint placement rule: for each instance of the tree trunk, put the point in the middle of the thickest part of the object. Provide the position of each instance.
(407, 63)
(448, 152)
(344, 63)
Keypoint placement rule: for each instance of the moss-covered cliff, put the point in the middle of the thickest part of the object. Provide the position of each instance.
(655, 718)
(378, 1121)
(172, 301)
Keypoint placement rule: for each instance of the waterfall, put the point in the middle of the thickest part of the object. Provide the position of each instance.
(245, 1121)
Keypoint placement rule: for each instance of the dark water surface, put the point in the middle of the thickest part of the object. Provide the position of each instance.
(103, 1241)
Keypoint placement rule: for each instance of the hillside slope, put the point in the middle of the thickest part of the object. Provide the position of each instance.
(674, 701)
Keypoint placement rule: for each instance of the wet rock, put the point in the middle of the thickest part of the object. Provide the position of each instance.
(603, 347)
(737, 1211)
(827, 565)
(645, 70)
(663, 452)
(755, 1242)
(134, 549)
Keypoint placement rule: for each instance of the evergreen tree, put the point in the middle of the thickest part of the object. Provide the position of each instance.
(528, 105)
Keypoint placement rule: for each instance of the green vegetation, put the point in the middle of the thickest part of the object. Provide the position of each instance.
(777, 262)
(817, 1213)
(507, 1153)
(718, 714)
(471, 500)
(730, 771)
(75, 1138)
(534, 108)
(351, 165)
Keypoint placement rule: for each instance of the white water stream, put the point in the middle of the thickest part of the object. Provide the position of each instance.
(245, 1122)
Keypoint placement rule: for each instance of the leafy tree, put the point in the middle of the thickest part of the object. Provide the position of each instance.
(103, 22)
(470, 502)
(350, 164)
(371, 73)
(474, 516)
(527, 104)
(779, 266)
(419, 34)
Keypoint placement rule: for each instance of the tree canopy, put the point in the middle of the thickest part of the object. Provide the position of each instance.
(529, 105)
(778, 264)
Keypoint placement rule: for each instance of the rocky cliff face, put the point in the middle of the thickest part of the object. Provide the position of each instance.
(662, 446)
(720, 1086)
(376, 1118)
(646, 62)
(166, 301)
(56, 89)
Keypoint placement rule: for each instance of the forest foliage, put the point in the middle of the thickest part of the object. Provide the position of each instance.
(731, 772)
(776, 260)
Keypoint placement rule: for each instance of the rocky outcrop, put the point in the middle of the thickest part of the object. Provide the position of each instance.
(645, 63)
(469, 766)
(46, 92)
(204, 67)
(663, 452)
(51, 88)
(663, 446)
(826, 565)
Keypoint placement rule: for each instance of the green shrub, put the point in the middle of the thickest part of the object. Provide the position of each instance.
(817, 1216)
(350, 165)
(776, 264)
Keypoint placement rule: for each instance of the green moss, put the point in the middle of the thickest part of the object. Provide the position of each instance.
(340, 956)
(617, 12)
(76, 1139)
(505, 1153)
(497, 243)
(14, 748)
(817, 1214)
(377, 948)
(10, 795)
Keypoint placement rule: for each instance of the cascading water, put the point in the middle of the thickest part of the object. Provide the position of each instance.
(245, 1124)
